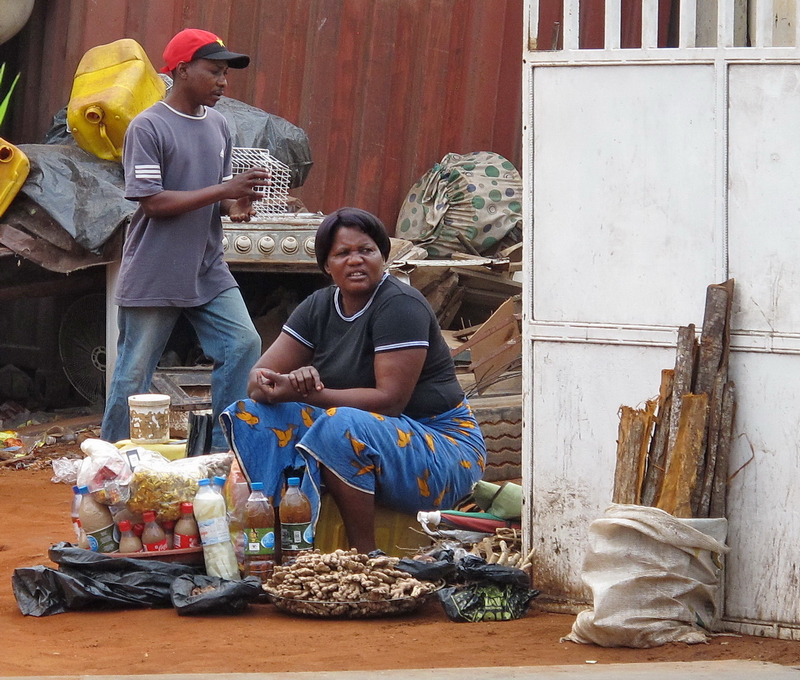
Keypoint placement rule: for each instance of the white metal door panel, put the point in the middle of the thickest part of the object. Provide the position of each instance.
(764, 186)
(763, 569)
(578, 391)
(624, 193)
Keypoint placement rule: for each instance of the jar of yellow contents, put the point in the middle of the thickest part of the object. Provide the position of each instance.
(149, 418)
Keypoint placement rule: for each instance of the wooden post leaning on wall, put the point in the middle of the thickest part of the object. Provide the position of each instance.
(635, 427)
(657, 454)
(710, 378)
(680, 477)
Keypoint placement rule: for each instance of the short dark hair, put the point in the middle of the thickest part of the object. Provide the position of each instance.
(349, 217)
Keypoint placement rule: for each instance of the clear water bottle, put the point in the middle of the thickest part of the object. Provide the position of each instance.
(212, 521)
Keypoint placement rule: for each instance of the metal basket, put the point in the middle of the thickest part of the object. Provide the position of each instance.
(274, 198)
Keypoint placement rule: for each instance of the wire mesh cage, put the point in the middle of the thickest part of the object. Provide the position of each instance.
(274, 198)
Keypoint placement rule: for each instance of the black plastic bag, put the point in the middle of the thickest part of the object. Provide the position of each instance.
(490, 592)
(200, 594)
(428, 571)
(474, 568)
(89, 580)
(485, 601)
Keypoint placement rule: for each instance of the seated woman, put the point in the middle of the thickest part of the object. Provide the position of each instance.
(360, 389)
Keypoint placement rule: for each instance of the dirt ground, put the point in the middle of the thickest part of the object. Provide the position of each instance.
(36, 515)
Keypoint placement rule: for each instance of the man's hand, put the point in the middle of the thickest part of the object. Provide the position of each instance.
(241, 210)
(243, 184)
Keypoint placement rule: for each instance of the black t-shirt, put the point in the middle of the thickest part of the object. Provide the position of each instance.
(396, 317)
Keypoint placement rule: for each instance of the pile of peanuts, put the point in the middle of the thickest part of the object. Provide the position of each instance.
(345, 579)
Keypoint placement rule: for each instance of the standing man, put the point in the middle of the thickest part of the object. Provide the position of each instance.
(177, 162)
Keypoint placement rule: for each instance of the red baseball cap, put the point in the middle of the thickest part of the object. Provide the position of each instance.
(194, 43)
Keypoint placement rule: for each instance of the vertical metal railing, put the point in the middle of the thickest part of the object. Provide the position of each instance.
(760, 19)
(649, 24)
(687, 23)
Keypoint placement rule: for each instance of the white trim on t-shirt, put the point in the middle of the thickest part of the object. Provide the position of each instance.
(337, 294)
(186, 115)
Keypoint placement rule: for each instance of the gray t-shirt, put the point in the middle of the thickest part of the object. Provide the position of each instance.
(174, 261)
(396, 317)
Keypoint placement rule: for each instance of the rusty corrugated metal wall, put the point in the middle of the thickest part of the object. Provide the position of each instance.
(383, 88)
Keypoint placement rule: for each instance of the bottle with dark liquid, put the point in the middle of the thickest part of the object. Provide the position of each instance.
(297, 534)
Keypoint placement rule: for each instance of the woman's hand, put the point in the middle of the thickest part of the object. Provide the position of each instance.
(306, 380)
(271, 387)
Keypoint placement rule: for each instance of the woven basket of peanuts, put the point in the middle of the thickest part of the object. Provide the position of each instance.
(346, 584)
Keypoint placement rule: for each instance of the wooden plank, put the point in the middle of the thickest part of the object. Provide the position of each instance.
(45, 254)
(490, 281)
(629, 444)
(712, 339)
(493, 350)
(719, 488)
(685, 354)
(505, 315)
(438, 292)
(648, 416)
(451, 307)
(656, 457)
(498, 362)
(710, 377)
(703, 501)
(681, 473)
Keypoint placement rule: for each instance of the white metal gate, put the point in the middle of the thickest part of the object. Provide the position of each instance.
(651, 173)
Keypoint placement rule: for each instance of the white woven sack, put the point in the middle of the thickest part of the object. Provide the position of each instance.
(655, 578)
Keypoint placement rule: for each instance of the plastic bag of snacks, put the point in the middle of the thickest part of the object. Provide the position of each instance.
(105, 471)
(161, 485)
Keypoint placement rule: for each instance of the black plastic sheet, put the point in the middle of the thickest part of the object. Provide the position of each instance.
(88, 580)
(201, 594)
(81, 192)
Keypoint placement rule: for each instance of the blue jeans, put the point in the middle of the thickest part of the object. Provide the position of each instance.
(226, 334)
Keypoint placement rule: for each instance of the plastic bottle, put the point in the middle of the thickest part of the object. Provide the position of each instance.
(75, 511)
(297, 534)
(218, 484)
(98, 524)
(83, 542)
(209, 511)
(169, 532)
(236, 493)
(186, 534)
(153, 538)
(259, 530)
(129, 542)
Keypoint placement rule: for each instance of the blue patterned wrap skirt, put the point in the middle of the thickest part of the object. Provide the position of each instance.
(409, 465)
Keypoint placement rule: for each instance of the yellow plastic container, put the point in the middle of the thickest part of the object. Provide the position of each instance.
(14, 169)
(113, 83)
(394, 531)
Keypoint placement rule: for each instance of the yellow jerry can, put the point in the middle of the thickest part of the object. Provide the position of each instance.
(113, 83)
(14, 168)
